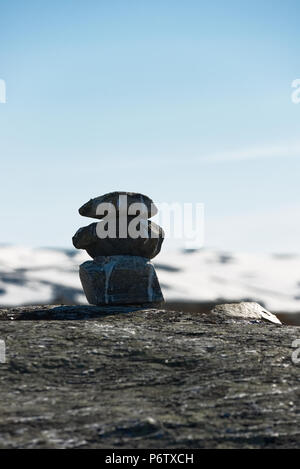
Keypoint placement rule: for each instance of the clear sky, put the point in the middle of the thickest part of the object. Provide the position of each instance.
(186, 101)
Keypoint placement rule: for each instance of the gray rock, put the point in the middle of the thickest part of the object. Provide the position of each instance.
(87, 238)
(245, 310)
(89, 209)
(80, 377)
(114, 280)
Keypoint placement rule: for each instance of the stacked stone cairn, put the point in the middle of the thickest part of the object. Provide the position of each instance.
(121, 245)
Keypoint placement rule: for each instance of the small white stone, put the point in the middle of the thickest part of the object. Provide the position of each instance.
(246, 310)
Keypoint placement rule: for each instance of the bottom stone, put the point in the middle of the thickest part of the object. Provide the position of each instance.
(114, 280)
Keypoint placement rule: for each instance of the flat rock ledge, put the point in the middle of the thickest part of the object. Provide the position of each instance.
(132, 377)
(246, 311)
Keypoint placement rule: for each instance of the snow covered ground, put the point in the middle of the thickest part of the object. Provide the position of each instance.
(29, 276)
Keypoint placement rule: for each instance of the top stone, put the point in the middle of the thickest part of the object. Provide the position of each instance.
(119, 204)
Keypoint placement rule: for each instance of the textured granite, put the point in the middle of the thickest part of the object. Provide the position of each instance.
(94, 377)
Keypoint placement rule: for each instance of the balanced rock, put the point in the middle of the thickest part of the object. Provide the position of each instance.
(125, 203)
(121, 243)
(120, 280)
(148, 244)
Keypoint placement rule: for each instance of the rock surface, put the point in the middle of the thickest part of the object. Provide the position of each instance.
(120, 280)
(146, 379)
(148, 245)
(89, 209)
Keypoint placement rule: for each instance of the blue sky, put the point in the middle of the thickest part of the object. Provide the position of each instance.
(184, 101)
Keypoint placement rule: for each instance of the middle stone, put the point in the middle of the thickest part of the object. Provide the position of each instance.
(147, 244)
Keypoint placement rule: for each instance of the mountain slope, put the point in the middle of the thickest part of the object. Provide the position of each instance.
(37, 276)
